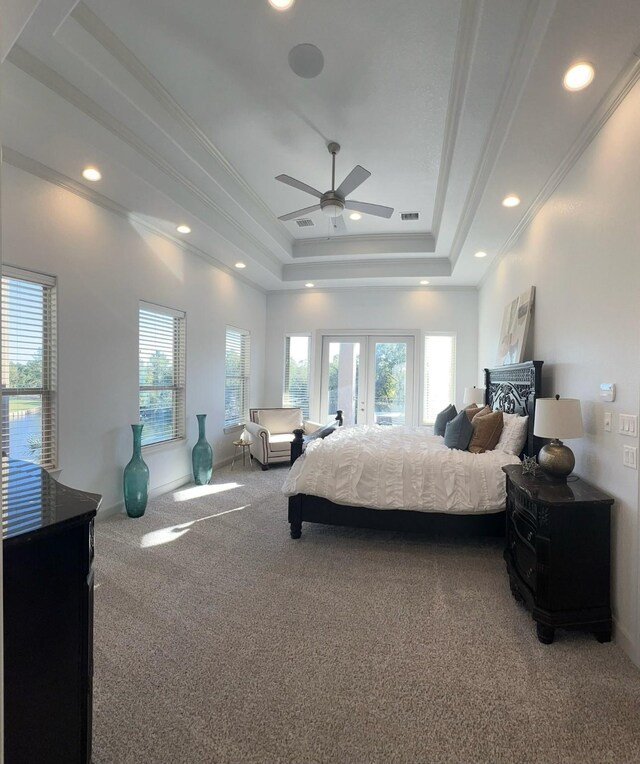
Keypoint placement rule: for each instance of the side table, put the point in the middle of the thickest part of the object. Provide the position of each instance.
(245, 448)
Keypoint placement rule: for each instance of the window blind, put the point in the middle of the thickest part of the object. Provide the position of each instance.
(439, 374)
(161, 341)
(237, 369)
(296, 372)
(29, 429)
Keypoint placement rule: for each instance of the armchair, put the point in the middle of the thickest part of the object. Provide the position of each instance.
(271, 430)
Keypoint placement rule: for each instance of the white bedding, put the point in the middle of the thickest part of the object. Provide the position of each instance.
(399, 468)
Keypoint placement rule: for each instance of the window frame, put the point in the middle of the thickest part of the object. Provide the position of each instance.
(236, 423)
(286, 378)
(179, 382)
(453, 378)
(48, 391)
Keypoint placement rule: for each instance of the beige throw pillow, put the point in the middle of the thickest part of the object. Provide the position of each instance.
(471, 410)
(486, 432)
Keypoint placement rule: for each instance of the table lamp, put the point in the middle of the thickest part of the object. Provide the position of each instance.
(557, 418)
(473, 395)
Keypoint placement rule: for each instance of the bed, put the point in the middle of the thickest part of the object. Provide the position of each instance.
(321, 472)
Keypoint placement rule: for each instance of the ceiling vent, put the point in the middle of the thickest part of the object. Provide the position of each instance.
(409, 215)
(305, 223)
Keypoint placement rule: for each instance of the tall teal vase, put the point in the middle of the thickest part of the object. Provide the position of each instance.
(202, 455)
(136, 478)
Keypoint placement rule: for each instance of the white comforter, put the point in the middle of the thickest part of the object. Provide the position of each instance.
(399, 468)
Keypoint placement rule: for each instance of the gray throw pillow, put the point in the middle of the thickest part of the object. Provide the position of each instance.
(446, 415)
(458, 432)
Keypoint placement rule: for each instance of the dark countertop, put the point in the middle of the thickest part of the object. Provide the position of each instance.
(538, 488)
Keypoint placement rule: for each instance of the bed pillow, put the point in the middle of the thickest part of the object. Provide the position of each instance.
(458, 432)
(482, 412)
(446, 415)
(486, 432)
(471, 410)
(514, 435)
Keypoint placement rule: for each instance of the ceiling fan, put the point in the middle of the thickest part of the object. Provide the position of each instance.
(334, 202)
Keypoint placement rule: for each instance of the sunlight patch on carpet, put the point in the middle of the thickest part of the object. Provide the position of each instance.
(166, 535)
(197, 491)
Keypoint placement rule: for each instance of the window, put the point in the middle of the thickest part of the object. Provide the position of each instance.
(162, 373)
(236, 383)
(296, 373)
(29, 366)
(439, 374)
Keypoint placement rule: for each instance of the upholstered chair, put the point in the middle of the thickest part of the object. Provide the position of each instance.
(271, 431)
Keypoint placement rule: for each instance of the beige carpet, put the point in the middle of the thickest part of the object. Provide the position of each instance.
(219, 639)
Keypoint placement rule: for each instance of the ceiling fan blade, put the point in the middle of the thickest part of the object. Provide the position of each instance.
(338, 225)
(300, 213)
(299, 185)
(370, 209)
(355, 178)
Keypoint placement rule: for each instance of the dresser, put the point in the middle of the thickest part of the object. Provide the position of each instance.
(48, 617)
(558, 552)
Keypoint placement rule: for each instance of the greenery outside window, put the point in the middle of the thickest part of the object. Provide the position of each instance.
(161, 373)
(296, 372)
(29, 366)
(237, 370)
(439, 374)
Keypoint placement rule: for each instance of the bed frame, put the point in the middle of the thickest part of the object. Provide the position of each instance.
(514, 390)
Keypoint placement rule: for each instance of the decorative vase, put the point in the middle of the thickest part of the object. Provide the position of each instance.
(202, 455)
(136, 478)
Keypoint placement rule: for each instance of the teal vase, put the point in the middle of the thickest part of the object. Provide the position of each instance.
(202, 455)
(136, 478)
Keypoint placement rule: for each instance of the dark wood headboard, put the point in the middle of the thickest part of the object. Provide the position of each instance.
(514, 390)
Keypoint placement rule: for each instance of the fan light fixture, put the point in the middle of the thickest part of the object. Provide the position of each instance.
(92, 174)
(578, 76)
(183, 228)
(332, 208)
(511, 201)
(281, 5)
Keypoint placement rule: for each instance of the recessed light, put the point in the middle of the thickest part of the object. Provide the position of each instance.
(424, 282)
(92, 174)
(183, 229)
(480, 254)
(578, 76)
(309, 284)
(240, 265)
(281, 5)
(355, 216)
(511, 201)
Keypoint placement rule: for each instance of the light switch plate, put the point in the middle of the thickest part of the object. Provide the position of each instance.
(628, 425)
(630, 457)
(607, 421)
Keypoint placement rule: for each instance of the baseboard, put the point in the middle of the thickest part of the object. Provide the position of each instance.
(115, 509)
(625, 641)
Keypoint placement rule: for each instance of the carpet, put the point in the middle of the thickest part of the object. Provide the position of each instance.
(220, 639)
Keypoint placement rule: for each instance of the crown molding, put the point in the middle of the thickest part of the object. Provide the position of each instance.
(358, 289)
(358, 269)
(529, 40)
(467, 37)
(609, 103)
(104, 36)
(46, 76)
(46, 173)
(375, 244)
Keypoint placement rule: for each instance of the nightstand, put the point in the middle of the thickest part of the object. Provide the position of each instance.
(558, 552)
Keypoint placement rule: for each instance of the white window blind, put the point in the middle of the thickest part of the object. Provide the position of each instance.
(162, 373)
(296, 372)
(29, 366)
(237, 369)
(439, 374)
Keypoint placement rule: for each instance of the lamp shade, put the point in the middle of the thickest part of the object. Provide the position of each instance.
(473, 395)
(558, 418)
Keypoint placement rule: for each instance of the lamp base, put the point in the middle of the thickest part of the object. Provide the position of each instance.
(557, 460)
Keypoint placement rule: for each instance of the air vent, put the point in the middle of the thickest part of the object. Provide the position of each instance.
(305, 223)
(409, 215)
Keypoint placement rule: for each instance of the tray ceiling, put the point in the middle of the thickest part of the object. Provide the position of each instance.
(190, 110)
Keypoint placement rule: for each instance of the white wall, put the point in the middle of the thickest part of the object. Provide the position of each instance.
(424, 308)
(104, 266)
(582, 253)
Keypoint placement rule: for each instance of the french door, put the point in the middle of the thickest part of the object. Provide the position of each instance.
(368, 377)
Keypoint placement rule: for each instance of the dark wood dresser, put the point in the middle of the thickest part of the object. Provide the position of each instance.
(48, 617)
(558, 552)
